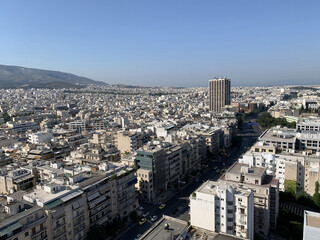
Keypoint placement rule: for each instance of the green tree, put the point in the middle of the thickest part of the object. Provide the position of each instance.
(290, 186)
(133, 216)
(96, 232)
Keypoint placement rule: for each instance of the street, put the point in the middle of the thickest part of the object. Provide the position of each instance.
(177, 206)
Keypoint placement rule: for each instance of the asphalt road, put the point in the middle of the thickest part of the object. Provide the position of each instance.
(177, 206)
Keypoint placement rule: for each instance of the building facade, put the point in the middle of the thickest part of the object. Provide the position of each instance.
(219, 93)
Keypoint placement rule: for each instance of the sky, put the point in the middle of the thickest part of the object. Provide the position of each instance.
(180, 43)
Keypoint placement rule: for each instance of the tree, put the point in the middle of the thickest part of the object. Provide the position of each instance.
(133, 216)
(290, 186)
(96, 232)
(316, 195)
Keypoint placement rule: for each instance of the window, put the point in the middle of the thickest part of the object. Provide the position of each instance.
(26, 234)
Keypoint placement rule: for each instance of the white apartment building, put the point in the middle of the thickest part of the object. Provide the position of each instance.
(40, 137)
(223, 208)
(281, 166)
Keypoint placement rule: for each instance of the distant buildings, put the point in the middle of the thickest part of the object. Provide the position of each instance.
(219, 93)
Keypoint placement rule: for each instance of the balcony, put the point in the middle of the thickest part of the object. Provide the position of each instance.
(60, 234)
(59, 225)
(39, 232)
(243, 220)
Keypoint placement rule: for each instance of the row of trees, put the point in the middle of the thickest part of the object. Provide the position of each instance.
(310, 110)
(302, 198)
(266, 121)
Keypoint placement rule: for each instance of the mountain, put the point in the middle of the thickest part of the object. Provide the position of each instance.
(21, 77)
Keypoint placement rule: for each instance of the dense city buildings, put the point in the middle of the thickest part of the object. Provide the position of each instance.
(107, 155)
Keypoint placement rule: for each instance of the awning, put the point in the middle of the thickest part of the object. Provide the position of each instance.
(71, 195)
(54, 203)
(10, 229)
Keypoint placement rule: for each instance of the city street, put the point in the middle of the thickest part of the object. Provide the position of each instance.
(177, 206)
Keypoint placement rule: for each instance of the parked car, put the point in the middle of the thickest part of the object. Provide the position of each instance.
(145, 214)
(162, 206)
(142, 221)
(154, 218)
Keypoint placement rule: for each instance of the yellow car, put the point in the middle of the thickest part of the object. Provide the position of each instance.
(162, 206)
(142, 221)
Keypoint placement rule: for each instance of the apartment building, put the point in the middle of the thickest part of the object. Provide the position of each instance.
(283, 167)
(19, 127)
(308, 125)
(90, 198)
(223, 208)
(151, 174)
(21, 220)
(127, 141)
(266, 193)
(40, 137)
(282, 139)
(15, 180)
(289, 140)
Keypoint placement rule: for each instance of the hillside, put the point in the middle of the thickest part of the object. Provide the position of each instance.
(16, 77)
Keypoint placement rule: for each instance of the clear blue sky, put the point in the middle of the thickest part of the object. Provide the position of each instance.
(172, 43)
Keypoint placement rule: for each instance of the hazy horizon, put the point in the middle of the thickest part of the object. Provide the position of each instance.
(167, 43)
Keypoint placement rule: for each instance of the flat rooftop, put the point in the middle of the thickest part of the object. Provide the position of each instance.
(208, 187)
(312, 219)
(279, 135)
(159, 231)
(211, 187)
(200, 234)
(253, 171)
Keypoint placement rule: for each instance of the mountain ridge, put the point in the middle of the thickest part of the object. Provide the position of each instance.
(23, 77)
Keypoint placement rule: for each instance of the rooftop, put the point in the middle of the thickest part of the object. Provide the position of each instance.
(312, 219)
(165, 228)
(253, 171)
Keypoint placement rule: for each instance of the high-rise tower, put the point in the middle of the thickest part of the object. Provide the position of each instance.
(219, 93)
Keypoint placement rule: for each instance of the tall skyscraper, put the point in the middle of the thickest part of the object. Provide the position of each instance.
(219, 93)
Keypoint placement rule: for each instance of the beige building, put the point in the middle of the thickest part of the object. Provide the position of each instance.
(263, 147)
(219, 93)
(127, 141)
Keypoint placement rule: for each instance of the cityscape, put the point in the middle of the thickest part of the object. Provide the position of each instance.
(159, 121)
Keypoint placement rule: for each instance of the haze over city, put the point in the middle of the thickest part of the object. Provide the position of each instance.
(166, 43)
